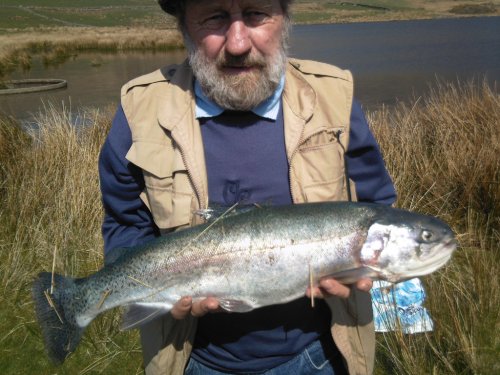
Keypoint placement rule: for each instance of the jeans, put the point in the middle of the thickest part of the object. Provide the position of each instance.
(311, 361)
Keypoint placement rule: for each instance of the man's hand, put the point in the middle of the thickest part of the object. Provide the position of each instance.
(326, 287)
(186, 306)
(330, 287)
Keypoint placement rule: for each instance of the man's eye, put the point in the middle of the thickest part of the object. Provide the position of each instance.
(214, 21)
(255, 18)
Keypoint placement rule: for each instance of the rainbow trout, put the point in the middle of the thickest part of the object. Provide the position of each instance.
(248, 260)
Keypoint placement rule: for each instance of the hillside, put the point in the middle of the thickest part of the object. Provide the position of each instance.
(26, 14)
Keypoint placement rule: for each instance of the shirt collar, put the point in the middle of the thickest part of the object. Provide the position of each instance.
(269, 108)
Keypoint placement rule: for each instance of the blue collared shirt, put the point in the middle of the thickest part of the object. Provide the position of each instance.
(268, 109)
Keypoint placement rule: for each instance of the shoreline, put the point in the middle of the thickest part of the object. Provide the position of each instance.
(378, 20)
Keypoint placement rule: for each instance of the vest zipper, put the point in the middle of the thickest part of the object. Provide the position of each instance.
(200, 196)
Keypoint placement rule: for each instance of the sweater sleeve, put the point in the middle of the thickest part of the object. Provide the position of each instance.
(127, 220)
(365, 164)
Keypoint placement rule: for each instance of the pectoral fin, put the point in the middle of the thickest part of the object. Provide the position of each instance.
(352, 275)
(139, 314)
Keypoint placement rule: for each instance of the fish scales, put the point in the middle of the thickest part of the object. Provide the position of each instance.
(248, 260)
(232, 246)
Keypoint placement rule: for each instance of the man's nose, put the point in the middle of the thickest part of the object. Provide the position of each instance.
(238, 40)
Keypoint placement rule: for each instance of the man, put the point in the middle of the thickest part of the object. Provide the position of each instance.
(240, 122)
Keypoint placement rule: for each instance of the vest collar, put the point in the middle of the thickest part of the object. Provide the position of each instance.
(299, 102)
(180, 96)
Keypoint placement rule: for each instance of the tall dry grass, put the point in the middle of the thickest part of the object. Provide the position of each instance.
(50, 206)
(442, 150)
(54, 44)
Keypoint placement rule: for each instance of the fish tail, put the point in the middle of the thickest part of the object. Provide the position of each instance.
(60, 332)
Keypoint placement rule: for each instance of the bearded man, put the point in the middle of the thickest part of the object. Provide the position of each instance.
(240, 122)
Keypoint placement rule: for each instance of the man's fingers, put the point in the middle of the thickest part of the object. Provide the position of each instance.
(181, 308)
(327, 287)
(204, 306)
(331, 287)
(315, 292)
(186, 306)
(364, 284)
(334, 288)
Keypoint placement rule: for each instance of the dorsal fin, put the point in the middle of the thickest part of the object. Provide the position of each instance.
(215, 212)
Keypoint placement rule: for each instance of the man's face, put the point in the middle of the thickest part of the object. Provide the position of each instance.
(237, 49)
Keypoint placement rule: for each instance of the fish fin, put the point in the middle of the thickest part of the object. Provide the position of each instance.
(61, 336)
(216, 211)
(235, 305)
(352, 275)
(138, 314)
(115, 254)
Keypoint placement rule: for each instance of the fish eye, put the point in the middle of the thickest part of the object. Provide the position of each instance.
(426, 235)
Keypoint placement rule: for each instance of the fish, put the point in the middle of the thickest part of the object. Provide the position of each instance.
(259, 257)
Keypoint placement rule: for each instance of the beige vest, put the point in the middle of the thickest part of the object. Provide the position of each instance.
(167, 145)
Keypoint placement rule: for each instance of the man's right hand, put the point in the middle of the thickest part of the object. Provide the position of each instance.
(186, 306)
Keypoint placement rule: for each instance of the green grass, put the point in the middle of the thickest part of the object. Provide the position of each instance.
(306, 11)
(52, 202)
(88, 13)
(471, 9)
(78, 3)
(101, 17)
(21, 15)
(442, 151)
(13, 18)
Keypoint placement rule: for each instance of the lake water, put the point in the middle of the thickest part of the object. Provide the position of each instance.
(390, 61)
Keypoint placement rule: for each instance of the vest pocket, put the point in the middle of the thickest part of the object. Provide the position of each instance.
(168, 200)
(168, 192)
(321, 171)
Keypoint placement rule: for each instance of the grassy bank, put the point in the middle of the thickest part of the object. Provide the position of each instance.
(306, 11)
(57, 44)
(442, 150)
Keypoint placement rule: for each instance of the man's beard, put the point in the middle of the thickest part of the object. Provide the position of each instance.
(239, 92)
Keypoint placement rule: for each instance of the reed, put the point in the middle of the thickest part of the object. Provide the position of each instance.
(53, 44)
(49, 202)
(442, 151)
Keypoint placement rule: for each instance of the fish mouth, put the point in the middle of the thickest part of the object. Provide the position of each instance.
(441, 255)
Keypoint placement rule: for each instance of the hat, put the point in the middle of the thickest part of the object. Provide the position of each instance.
(169, 6)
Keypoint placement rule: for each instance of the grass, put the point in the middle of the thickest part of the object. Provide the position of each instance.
(442, 151)
(469, 9)
(306, 11)
(50, 202)
(54, 44)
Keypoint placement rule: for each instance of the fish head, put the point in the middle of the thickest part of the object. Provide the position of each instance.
(407, 245)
